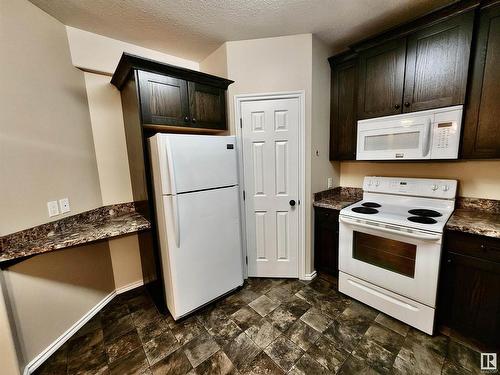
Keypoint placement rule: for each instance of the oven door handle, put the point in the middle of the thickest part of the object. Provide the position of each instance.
(427, 237)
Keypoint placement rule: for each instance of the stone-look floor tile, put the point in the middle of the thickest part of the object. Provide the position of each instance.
(374, 355)
(297, 306)
(437, 344)
(308, 366)
(133, 363)
(262, 333)
(92, 325)
(174, 364)
(326, 354)
(241, 351)
(231, 304)
(152, 330)
(81, 344)
(451, 368)
(160, 347)
(321, 285)
(316, 319)
(281, 318)
(112, 312)
(263, 365)
(279, 293)
(261, 285)
(302, 335)
(143, 317)
(393, 324)
(284, 352)
(464, 357)
(263, 305)
(248, 295)
(122, 345)
(200, 348)
(140, 302)
(211, 316)
(245, 317)
(354, 365)
(186, 330)
(224, 331)
(363, 310)
(309, 295)
(414, 358)
(92, 360)
(217, 364)
(118, 328)
(386, 338)
(55, 365)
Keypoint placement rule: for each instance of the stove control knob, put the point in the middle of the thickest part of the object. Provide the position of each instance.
(435, 187)
(446, 188)
(377, 183)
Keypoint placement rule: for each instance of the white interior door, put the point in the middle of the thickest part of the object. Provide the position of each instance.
(270, 135)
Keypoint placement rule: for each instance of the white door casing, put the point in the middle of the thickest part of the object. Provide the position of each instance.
(270, 133)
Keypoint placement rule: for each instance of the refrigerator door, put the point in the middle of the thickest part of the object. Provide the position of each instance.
(202, 259)
(197, 162)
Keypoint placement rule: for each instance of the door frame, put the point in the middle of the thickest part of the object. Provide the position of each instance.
(300, 95)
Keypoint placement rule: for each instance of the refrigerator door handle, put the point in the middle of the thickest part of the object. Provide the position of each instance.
(170, 163)
(175, 213)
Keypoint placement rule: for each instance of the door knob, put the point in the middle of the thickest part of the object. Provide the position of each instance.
(292, 203)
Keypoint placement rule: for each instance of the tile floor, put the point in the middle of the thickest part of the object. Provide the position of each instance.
(270, 326)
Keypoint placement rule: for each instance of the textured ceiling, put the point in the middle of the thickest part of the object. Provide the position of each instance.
(193, 29)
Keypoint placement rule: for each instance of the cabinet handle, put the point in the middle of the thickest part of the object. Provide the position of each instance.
(397, 106)
(193, 120)
(407, 104)
(448, 260)
(483, 247)
(186, 119)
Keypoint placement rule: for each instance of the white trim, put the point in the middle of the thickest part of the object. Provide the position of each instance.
(126, 288)
(49, 350)
(300, 95)
(309, 276)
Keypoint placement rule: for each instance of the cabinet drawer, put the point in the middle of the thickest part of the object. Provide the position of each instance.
(473, 245)
(326, 215)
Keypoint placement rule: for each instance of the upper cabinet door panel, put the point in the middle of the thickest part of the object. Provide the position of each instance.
(163, 99)
(343, 111)
(482, 113)
(437, 63)
(207, 106)
(381, 79)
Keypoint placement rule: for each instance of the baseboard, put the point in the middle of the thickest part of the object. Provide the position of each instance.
(309, 276)
(130, 286)
(45, 354)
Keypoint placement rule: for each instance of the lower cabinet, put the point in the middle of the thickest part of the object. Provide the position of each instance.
(469, 292)
(326, 240)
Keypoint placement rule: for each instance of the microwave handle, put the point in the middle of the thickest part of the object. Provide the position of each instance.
(393, 231)
(427, 138)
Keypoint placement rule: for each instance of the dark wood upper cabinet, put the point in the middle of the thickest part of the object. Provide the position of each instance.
(381, 79)
(482, 112)
(343, 108)
(171, 98)
(207, 106)
(164, 100)
(437, 62)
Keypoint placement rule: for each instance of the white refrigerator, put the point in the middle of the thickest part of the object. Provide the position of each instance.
(198, 216)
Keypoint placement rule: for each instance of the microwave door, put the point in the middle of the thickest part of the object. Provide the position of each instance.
(398, 141)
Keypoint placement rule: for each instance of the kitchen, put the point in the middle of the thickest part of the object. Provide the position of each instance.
(324, 124)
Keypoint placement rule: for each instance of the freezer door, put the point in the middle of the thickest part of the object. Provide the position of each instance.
(199, 162)
(203, 259)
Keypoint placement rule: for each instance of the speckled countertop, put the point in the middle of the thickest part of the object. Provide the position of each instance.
(337, 198)
(98, 224)
(476, 216)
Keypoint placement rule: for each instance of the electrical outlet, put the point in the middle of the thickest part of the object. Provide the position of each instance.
(329, 183)
(64, 205)
(53, 208)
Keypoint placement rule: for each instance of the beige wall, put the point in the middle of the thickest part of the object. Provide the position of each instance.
(8, 355)
(46, 149)
(97, 53)
(216, 62)
(480, 179)
(49, 293)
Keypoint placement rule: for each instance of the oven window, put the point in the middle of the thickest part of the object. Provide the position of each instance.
(396, 141)
(382, 252)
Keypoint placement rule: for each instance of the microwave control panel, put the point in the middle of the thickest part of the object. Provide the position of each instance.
(446, 135)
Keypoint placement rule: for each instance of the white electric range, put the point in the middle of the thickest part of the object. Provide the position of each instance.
(390, 246)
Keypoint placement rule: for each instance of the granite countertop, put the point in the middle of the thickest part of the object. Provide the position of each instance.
(98, 224)
(337, 198)
(476, 216)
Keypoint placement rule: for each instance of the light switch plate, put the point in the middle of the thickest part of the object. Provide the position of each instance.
(53, 208)
(329, 183)
(64, 205)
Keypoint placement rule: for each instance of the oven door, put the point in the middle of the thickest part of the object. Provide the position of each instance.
(406, 263)
(394, 139)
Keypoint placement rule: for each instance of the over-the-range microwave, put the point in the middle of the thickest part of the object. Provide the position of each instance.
(432, 134)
